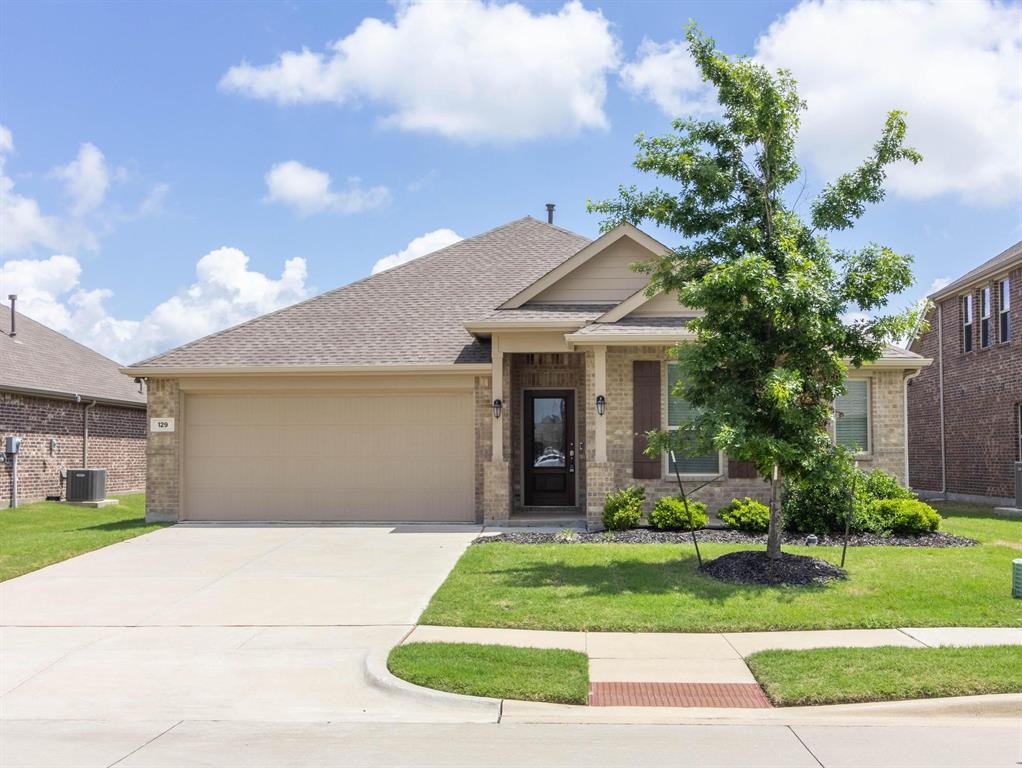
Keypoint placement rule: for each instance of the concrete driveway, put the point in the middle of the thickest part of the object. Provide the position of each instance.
(217, 623)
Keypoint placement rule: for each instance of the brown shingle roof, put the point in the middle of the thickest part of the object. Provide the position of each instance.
(1001, 261)
(411, 314)
(41, 360)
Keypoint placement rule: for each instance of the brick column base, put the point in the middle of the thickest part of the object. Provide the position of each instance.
(496, 491)
(599, 482)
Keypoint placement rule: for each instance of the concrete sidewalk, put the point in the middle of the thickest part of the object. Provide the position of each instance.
(643, 668)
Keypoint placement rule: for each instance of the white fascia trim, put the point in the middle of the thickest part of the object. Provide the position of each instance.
(617, 339)
(627, 306)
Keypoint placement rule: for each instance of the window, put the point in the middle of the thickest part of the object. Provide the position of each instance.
(967, 323)
(851, 416)
(1004, 302)
(680, 412)
(984, 317)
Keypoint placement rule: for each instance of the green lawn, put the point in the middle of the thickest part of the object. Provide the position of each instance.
(45, 532)
(658, 588)
(847, 675)
(497, 671)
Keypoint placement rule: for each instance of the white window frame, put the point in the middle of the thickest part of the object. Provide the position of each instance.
(667, 473)
(868, 452)
(986, 338)
(1018, 408)
(968, 315)
(1004, 310)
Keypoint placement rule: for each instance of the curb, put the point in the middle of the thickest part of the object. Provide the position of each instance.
(379, 677)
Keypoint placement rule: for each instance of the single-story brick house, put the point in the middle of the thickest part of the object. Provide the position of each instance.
(506, 375)
(71, 407)
(965, 411)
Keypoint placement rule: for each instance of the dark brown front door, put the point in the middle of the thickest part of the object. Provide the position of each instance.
(549, 448)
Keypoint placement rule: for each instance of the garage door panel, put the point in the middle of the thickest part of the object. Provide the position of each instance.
(329, 457)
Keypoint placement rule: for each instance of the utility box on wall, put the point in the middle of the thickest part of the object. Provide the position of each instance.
(86, 484)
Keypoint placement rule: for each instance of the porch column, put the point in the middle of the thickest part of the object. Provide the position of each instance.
(600, 384)
(497, 386)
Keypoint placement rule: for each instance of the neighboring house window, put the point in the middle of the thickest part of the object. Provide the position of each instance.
(967, 323)
(984, 317)
(1004, 291)
(851, 412)
(679, 412)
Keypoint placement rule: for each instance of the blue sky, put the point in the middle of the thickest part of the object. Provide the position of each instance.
(142, 137)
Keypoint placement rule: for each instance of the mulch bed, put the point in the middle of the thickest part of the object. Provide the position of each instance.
(717, 536)
(754, 567)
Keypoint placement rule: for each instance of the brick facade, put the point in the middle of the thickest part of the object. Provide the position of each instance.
(501, 481)
(162, 454)
(982, 392)
(117, 439)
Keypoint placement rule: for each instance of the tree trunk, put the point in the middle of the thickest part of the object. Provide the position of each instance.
(774, 532)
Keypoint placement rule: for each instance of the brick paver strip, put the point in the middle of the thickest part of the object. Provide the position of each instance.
(677, 695)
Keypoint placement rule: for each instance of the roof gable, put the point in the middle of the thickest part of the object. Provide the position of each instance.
(598, 273)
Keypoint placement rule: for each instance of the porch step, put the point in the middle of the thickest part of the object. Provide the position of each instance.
(554, 522)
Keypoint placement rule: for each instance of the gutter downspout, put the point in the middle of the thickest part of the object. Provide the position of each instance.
(85, 433)
(940, 379)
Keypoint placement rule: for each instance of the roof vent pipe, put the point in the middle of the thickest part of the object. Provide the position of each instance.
(14, 297)
(550, 213)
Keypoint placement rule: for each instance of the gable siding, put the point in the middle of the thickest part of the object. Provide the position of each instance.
(606, 277)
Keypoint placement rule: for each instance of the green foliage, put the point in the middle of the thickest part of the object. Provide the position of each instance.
(819, 503)
(749, 515)
(669, 515)
(623, 509)
(771, 347)
(905, 516)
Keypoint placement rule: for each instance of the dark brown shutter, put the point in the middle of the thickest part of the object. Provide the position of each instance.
(645, 416)
(741, 469)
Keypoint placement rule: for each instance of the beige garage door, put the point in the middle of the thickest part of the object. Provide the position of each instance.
(329, 457)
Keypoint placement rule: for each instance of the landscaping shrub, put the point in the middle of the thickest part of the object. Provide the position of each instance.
(906, 516)
(748, 515)
(623, 509)
(819, 504)
(669, 515)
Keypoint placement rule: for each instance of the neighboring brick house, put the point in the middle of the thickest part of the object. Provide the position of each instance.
(965, 431)
(510, 376)
(49, 386)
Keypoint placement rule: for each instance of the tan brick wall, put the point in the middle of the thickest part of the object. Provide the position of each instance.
(162, 455)
(887, 416)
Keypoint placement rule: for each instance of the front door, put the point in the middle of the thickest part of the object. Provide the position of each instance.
(549, 448)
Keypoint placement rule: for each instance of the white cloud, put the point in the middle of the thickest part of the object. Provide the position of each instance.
(308, 191)
(471, 70)
(956, 68)
(225, 292)
(22, 223)
(666, 75)
(86, 179)
(420, 246)
(937, 284)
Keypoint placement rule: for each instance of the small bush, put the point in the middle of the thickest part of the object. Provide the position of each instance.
(749, 515)
(880, 485)
(906, 516)
(819, 504)
(623, 508)
(669, 515)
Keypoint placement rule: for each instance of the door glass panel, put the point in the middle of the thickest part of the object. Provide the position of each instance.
(548, 432)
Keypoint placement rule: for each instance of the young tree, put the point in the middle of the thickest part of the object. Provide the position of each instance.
(771, 350)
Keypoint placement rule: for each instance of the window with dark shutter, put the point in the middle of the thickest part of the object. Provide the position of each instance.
(645, 416)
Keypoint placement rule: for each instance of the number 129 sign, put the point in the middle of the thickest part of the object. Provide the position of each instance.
(161, 425)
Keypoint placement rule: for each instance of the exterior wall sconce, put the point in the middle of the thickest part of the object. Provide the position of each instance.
(498, 406)
(601, 404)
